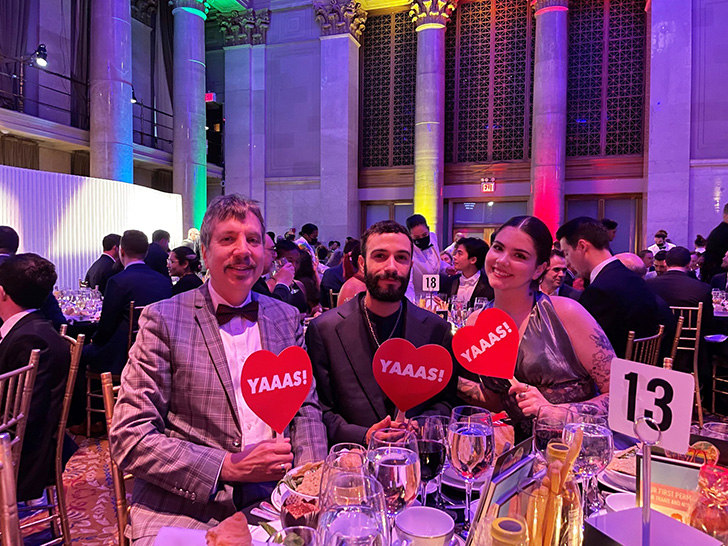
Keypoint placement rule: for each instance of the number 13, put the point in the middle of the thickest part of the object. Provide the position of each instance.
(661, 402)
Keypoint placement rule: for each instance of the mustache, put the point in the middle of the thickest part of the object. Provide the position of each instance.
(390, 276)
(245, 262)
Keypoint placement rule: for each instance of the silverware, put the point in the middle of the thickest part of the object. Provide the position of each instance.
(265, 505)
(264, 514)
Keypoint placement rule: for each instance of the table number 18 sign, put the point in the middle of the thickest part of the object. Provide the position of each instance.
(430, 283)
(638, 390)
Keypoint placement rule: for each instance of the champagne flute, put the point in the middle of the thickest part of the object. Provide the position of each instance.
(360, 519)
(394, 461)
(548, 425)
(432, 445)
(597, 449)
(472, 447)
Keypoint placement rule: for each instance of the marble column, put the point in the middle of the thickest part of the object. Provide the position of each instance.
(548, 148)
(342, 22)
(244, 35)
(190, 144)
(670, 200)
(430, 18)
(111, 141)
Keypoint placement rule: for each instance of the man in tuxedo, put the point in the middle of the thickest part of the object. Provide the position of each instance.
(137, 283)
(342, 341)
(616, 297)
(9, 243)
(26, 280)
(552, 283)
(181, 425)
(158, 252)
(720, 281)
(103, 268)
(471, 281)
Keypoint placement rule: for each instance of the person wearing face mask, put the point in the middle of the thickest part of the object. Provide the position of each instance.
(308, 241)
(426, 256)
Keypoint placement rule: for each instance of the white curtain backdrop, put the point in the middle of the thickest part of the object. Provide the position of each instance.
(64, 217)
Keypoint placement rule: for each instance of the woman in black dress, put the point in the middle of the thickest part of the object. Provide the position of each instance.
(185, 264)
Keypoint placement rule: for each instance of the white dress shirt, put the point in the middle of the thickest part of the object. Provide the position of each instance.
(466, 286)
(598, 269)
(241, 338)
(12, 321)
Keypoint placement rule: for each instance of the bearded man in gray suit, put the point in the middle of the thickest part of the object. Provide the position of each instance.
(181, 425)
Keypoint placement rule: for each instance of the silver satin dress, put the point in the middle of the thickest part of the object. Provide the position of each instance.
(547, 361)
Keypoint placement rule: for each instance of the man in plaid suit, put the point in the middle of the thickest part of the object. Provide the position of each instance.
(181, 425)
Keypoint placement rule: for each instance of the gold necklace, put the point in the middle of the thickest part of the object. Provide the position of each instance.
(371, 328)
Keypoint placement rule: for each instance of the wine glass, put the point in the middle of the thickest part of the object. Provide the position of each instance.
(597, 449)
(548, 425)
(353, 512)
(394, 461)
(472, 448)
(432, 445)
(345, 447)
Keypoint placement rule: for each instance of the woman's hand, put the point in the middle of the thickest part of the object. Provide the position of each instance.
(529, 398)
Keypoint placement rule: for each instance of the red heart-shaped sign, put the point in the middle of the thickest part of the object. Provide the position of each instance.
(409, 375)
(274, 387)
(490, 347)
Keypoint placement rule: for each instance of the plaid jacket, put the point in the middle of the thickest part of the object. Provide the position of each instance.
(176, 416)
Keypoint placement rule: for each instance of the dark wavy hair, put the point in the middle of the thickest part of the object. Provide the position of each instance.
(185, 255)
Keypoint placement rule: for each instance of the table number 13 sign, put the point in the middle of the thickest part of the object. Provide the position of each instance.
(638, 390)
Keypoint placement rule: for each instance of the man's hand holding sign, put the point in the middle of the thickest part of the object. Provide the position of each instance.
(274, 388)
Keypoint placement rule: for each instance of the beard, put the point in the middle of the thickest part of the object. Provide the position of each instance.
(389, 294)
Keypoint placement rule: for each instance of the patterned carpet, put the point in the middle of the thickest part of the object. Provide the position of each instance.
(89, 495)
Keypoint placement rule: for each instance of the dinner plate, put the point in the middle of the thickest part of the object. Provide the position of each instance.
(716, 338)
(453, 479)
(174, 536)
(607, 481)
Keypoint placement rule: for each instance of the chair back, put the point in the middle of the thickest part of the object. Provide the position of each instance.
(134, 312)
(117, 477)
(333, 298)
(16, 388)
(646, 349)
(676, 339)
(689, 342)
(9, 518)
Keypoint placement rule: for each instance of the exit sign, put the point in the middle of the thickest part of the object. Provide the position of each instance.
(210, 97)
(487, 185)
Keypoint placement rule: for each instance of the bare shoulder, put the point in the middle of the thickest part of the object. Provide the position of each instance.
(573, 316)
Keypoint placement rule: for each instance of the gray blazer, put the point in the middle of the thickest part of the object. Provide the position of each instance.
(176, 417)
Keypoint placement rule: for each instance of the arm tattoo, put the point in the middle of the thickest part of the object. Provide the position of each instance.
(470, 391)
(601, 359)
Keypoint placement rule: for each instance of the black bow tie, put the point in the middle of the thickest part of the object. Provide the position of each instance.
(225, 313)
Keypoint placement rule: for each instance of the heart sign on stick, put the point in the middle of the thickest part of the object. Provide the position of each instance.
(490, 347)
(409, 375)
(274, 387)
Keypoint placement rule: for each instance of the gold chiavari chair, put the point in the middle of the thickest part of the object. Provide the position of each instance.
(646, 349)
(676, 339)
(95, 377)
(56, 494)
(10, 534)
(689, 342)
(117, 476)
(333, 298)
(16, 389)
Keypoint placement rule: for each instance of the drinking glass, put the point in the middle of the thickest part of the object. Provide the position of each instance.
(349, 462)
(354, 512)
(432, 445)
(298, 536)
(549, 425)
(470, 435)
(345, 447)
(597, 449)
(479, 303)
(394, 461)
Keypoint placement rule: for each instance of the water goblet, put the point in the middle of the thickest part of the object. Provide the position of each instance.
(432, 445)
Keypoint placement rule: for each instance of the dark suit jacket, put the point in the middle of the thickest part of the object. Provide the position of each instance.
(351, 400)
(39, 447)
(450, 286)
(679, 290)
(100, 271)
(715, 248)
(719, 281)
(138, 283)
(333, 279)
(280, 291)
(157, 259)
(566, 291)
(620, 301)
